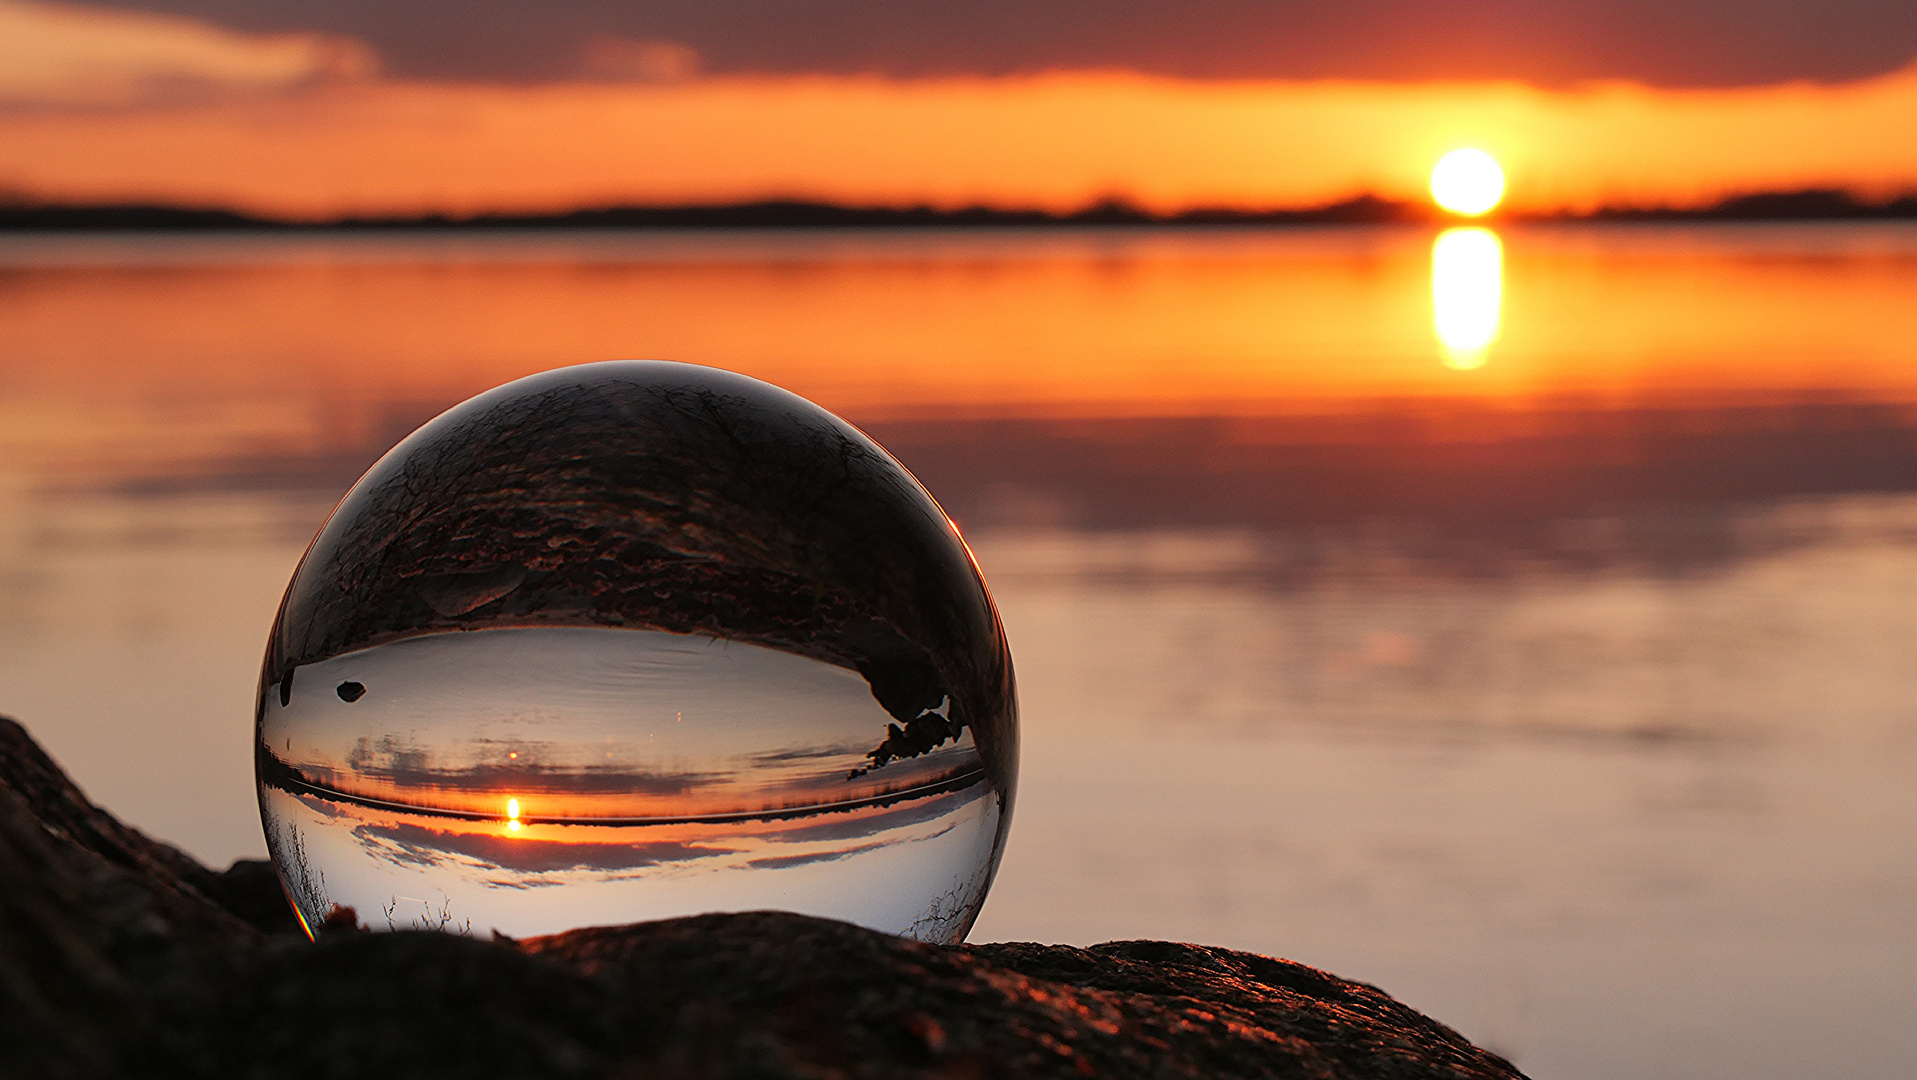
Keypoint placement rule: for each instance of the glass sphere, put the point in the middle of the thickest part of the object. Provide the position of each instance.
(628, 641)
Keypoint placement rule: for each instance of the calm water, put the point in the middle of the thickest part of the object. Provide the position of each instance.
(1534, 639)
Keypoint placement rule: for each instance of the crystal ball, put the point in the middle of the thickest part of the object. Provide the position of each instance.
(629, 641)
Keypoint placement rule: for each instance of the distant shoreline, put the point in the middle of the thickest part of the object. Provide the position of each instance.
(1808, 205)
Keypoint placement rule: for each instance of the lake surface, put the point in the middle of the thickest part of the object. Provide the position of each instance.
(1525, 622)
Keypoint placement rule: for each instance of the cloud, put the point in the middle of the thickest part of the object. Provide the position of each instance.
(409, 767)
(1665, 43)
(428, 847)
(63, 55)
(618, 59)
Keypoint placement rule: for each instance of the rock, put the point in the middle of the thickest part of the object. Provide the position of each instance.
(105, 935)
(121, 956)
(772, 994)
(250, 889)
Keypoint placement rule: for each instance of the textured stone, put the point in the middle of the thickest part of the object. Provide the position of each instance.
(121, 956)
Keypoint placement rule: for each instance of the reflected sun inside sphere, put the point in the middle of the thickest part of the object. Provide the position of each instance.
(1467, 182)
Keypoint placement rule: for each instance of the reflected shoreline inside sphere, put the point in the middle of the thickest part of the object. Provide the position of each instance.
(629, 641)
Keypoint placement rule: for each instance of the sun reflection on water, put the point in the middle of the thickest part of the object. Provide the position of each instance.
(1467, 294)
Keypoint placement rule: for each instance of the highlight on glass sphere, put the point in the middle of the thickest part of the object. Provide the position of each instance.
(628, 641)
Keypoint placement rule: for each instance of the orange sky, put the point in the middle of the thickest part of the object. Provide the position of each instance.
(161, 108)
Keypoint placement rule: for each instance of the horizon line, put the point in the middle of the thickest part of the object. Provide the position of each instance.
(1806, 204)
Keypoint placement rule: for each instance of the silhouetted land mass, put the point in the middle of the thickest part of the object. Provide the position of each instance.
(1826, 204)
(121, 956)
(791, 214)
(1820, 204)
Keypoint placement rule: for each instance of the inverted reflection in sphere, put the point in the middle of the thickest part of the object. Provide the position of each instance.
(633, 640)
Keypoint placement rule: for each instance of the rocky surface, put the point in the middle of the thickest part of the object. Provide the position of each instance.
(121, 956)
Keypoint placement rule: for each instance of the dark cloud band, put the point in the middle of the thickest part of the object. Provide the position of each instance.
(1663, 42)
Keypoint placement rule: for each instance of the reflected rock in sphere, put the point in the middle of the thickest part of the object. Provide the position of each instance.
(634, 640)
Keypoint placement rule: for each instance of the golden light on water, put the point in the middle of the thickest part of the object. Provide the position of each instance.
(1467, 182)
(512, 815)
(1467, 294)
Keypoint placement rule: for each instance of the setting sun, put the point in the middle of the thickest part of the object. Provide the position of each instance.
(1467, 182)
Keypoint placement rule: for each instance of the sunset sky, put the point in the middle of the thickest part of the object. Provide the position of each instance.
(343, 106)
